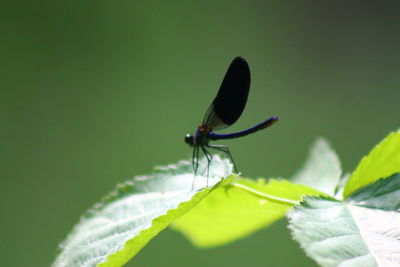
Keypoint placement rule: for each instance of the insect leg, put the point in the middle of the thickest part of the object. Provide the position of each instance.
(195, 163)
(226, 150)
(209, 158)
(193, 160)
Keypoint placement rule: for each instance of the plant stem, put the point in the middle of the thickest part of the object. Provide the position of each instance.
(262, 195)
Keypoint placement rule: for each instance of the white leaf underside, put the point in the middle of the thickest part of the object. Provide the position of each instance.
(337, 234)
(322, 169)
(106, 228)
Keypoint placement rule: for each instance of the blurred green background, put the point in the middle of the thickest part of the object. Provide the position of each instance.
(95, 92)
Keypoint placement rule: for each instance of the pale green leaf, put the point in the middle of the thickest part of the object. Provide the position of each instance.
(363, 230)
(322, 169)
(382, 161)
(239, 209)
(114, 230)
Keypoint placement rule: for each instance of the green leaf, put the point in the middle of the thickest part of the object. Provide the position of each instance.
(382, 161)
(239, 209)
(363, 230)
(322, 170)
(114, 230)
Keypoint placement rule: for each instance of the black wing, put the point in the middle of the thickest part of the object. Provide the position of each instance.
(231, 99)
